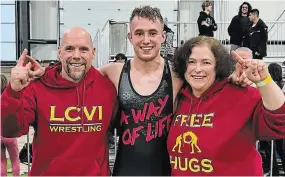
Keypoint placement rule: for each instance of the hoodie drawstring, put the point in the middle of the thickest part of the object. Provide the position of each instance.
(83, 101)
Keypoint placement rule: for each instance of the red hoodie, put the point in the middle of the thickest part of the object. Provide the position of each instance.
(70, 122)
(216, 133)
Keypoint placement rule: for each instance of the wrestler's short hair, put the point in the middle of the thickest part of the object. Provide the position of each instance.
(152, 13)
(223, 58)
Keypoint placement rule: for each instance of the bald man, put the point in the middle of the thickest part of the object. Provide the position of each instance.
(244, 52)
(70, 108)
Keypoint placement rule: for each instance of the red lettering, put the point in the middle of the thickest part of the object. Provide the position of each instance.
(140, 115)
(162, 103)
(127, 134)
(151, 110)
(135, 134)
(156, 129)
(124, 118)
(148, 133)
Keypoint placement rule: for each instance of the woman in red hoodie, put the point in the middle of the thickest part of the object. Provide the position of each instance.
(217, 123)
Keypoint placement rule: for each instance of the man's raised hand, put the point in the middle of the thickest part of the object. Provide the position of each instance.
(21, 74)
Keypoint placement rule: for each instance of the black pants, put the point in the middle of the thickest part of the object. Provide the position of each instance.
(265, 146)
(280, 148)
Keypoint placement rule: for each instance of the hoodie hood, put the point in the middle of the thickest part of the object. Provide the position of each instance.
(52, 78)
(216, 87)
(260, 23)
(202, 13)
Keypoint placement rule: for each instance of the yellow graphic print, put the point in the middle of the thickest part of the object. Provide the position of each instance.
(192, 163)
(76, 119)
(193, 141)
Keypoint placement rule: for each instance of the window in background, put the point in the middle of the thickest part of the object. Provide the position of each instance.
(8, 34)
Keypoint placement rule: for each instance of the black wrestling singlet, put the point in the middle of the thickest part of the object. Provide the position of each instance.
(143, 128)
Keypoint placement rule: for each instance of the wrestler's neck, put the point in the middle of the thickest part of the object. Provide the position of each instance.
(147, 66)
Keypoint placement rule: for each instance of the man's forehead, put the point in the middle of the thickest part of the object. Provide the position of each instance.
(76, 42)
(141, 21)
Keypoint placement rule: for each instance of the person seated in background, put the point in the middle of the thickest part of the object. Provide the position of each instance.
(217, 123)
(120, 58)
(52, 63)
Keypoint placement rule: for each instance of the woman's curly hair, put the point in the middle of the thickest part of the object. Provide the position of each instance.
(223, 58)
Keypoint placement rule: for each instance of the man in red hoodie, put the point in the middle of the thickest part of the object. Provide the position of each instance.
(70, 108)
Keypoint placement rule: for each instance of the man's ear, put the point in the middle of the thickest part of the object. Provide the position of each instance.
(130, 37)
(58, 51)
(93, 53)
(164, 36)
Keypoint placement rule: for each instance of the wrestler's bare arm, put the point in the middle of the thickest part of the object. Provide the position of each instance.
(112, 71)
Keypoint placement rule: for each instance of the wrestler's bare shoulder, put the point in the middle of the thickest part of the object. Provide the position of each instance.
(112, 71)
(111, 68)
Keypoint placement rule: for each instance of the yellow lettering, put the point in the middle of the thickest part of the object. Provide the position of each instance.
(174, 162)
(195, 119)
(73, 129)
(67, 129)
(100, 112)
(207, 121)
(177, 119)
(207, 165)
(52, 115)
(60, 129)
(95, 128)
(183, 119)
(79, 129)
(185, 164)
(99, 128)
(192, 164)
(195, 168)
(67, 114)
(89, 116)
(53, 128)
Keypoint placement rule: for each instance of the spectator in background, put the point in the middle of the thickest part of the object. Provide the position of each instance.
(206, 22)
(275, 71)
(166, 49)
(51, 63)
(120, 58)
(10, 144)
(238, 27)
(257, 35)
